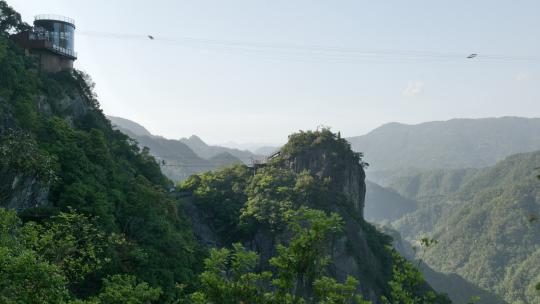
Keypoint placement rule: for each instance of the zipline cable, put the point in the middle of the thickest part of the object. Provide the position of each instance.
(313, 52)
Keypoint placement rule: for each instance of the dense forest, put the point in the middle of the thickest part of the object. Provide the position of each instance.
(485, 222)
(86, 216)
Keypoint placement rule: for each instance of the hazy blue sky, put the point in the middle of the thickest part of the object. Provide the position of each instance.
(177, 88)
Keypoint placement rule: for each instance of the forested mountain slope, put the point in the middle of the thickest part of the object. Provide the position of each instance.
(458, 289)
(493, 238)
(95, 211)
(86, 216)
(386, 208)
(398, 149)
(433, 184)
(485, 222)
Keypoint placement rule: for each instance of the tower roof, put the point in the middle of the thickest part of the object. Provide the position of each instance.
(51, 17)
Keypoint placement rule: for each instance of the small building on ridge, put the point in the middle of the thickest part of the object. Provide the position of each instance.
(52, 40)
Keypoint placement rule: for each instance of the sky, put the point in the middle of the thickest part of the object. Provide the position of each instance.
(254, 71)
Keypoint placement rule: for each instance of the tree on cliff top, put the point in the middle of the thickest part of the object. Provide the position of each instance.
(10, 20)
(305, 142)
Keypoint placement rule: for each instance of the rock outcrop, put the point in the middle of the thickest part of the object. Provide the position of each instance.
(360, 251)
(23, 188)
(345, 172)
(21, 192)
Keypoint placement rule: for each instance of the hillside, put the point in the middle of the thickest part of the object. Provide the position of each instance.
(129, 126)
(317, 170)
(484, 221)
(93, 211)
(452, 144)
(494, 238)
(86, 216)
(458, 289)
(385, 206)
(180, 161)
(433, 185)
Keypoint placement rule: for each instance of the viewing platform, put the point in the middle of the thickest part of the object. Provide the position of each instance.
(258, 163)
(51, 40)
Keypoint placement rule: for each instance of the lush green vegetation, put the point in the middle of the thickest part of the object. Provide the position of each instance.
(52, 262)
(299, 271)
(108, 231)
(52, 131)
(492, 239)
(295, 213)
(485, 221)
(299, 267)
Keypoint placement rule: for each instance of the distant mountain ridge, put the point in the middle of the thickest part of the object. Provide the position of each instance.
(130, 126)
(181, 158)
(397, 149)
(260, 148)
(208, 151)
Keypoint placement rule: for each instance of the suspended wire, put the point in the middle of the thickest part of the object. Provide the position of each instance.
(193, 165)
(313, 53)
(190, 166)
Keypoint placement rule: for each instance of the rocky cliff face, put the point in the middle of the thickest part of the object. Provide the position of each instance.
(346, 174)
(21, 187)
(360, 250)
(20, 192)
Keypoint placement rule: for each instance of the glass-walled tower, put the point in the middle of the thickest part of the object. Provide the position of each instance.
(60, 31)
(52, 41)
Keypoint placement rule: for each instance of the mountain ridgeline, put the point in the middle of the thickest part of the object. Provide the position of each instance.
(184, 157)
(86, 215)
(396, 149)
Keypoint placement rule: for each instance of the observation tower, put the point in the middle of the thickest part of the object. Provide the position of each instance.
(52, 40)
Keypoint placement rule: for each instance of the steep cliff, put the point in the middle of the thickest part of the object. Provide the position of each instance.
(58, 153)
(28, 169)
(314, 169)
(328, 156)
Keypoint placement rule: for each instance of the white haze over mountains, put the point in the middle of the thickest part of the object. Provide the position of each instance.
(255, 147)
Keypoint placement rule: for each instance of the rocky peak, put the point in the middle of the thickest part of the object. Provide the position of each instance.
(330, 157)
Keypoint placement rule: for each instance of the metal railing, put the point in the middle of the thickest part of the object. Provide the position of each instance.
(64, 51)
(44, 36)
(55, 18)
